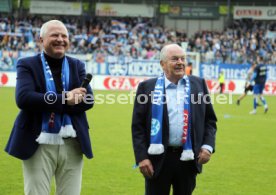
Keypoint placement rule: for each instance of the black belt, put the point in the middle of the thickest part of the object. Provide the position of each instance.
(175, 149)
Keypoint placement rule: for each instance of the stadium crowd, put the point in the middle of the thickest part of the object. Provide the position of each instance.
(141, 38)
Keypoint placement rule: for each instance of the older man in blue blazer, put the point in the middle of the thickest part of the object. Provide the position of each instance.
(50, 133)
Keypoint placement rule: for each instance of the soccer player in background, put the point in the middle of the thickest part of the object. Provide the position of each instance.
(259, 80)
(248, 86)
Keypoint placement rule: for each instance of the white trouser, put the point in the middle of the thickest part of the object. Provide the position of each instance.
(64, 162)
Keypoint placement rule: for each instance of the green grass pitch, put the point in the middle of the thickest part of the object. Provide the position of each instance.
(244, 162)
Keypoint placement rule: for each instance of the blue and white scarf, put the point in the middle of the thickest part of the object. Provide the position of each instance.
(156, 146)
(62, 125)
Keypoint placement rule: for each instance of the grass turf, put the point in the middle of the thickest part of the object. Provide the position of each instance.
(244, 162)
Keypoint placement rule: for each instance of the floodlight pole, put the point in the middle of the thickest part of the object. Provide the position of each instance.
(229, 7)
(158, 12)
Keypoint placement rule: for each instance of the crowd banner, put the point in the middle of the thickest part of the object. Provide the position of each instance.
(103, 65)
(122, 73)
(130, 68)
(231, 71)
(124, 10)
(56, 8)
(255, 12)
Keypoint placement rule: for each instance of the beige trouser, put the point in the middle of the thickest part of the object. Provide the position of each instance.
(64, 162)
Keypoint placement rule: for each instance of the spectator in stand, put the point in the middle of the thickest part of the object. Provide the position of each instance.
(237, 44)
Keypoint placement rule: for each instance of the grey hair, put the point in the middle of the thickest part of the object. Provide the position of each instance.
(163, 52)
(44, 27)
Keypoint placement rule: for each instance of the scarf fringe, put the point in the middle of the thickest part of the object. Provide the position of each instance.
(67, 131)
(156, 149)
(49, 138)
(187, 155)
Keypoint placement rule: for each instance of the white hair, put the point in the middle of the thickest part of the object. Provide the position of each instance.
(163, 52)
(44, 27)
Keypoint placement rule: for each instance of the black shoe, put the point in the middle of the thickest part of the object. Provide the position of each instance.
(266, 109)
(238, 102)
(258, 104)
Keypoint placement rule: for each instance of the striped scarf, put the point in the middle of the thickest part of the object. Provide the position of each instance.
(55, 126)
(156, 146)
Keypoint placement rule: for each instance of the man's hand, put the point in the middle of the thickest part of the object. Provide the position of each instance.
(204, 156)
(146, 168)
(75, 96)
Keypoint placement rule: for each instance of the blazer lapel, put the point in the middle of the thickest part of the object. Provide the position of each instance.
(166, 127)
(71, 79)
(193, 95)
(40, 73)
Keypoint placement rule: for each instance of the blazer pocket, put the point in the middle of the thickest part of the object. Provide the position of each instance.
(22, 119)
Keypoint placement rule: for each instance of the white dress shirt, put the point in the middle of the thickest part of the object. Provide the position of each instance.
(175, 105)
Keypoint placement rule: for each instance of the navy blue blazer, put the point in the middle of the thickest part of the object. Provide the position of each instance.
(203, 127)
(30, 90)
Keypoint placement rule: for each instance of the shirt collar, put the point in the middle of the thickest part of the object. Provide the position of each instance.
(168, 83)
